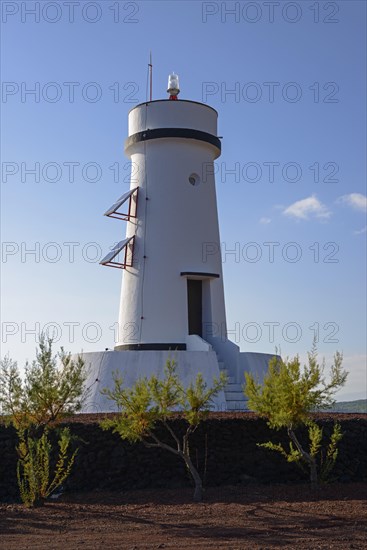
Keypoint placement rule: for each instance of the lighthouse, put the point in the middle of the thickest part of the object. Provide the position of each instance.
(172, 295)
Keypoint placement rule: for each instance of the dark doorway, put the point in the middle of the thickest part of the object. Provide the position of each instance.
(195, 306)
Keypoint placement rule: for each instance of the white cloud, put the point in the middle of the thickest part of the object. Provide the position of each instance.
(355, 200)
(361, 231)
(307, 208)
(265, 220)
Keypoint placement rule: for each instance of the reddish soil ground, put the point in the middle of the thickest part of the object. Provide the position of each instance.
(230, 517)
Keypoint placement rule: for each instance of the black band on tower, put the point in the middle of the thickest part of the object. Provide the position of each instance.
(150, 347)
(187, 133)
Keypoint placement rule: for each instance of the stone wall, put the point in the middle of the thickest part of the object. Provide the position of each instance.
(223, 447)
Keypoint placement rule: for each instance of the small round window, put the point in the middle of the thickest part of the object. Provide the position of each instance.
(194, 179)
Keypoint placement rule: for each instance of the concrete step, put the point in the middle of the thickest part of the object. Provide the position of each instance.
(234, 396)
(236, 406)
(232, 386)
(230, 379)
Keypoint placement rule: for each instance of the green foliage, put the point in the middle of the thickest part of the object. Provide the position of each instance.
(292, 455)
(287, 398)
(33, 468)
(13, 400)
(289, 394)
(152, 401)
(325, 458)
(328, 460)
(315, 438)
(198, 396)
(48, 393)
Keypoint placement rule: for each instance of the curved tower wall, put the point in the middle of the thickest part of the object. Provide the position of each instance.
(176, 229)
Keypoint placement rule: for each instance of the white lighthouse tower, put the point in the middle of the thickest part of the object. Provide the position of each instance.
(173, 287)
(172, 298)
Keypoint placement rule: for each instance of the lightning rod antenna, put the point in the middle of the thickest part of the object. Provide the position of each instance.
(150, 77)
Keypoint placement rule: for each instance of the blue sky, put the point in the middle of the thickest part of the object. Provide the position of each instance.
(288, 81)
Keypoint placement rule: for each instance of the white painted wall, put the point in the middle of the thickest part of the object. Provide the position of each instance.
(132, 365)
(195, 343)
(173, 225)
(254, 363)
(173, 114)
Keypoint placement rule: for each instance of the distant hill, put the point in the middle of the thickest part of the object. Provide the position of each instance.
(358, 406)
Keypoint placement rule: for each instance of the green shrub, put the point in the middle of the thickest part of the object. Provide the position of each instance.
(49, 393)
(287, 398)
(33, 468)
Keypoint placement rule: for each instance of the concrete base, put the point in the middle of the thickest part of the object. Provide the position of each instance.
(200, 357)
(131, 365)
(255, 363)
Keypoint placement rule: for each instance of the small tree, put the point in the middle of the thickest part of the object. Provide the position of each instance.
(34, 406)
(151, 402)
(33, 468)
(287, 398)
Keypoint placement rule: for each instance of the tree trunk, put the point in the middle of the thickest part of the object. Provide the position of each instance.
(184, 454)
(198, 492)
(307, 457)
(313, 473)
